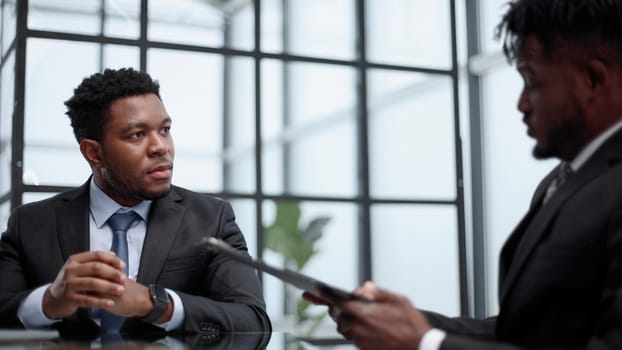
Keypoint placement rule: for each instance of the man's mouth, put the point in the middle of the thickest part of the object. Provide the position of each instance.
(163, 171)
(529, 128)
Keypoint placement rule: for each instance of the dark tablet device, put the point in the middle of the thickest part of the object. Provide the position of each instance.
(297, 279)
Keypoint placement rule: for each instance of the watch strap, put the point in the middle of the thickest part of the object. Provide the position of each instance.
(160, 300)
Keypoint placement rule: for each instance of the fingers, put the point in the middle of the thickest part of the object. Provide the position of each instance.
(84, 300)
(104, 257)
(344, 326)
(89, 279)
(391, 318)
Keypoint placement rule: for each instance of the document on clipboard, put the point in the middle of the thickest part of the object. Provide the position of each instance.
(297, 279)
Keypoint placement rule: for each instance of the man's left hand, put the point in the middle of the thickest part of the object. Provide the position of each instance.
(134, 302)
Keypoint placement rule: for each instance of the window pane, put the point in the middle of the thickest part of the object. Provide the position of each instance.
(272, 25)
(272, 125)
(53, 69)
(76, 16)
(194, 97)
(422, 241)
(122, 18)
(315, 140)
(7, 87)
(9, 22)
(411, 136)
(417, 34)
(49, 140)
(335, 253)
(85, 17)
(117, 56)
(239, 154)
(315, 27)
(5, 211)
(205, 23)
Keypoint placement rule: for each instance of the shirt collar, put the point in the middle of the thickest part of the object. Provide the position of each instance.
(593, 146)
(102, 206)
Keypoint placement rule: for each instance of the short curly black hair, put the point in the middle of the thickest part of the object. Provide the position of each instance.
(594, 25)
(88, 107)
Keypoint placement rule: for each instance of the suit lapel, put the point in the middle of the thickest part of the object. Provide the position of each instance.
(509, 248)
(536, 223)
(164, 223)
(73, 222)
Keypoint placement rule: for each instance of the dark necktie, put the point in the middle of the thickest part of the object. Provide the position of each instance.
(562, 175)
(119, 223)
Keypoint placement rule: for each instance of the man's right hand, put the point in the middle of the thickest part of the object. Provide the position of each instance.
(89, 279)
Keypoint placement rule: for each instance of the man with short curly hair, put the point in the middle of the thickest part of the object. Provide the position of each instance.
(56, 268)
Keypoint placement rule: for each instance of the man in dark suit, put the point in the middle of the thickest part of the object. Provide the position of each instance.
(560, 281)
(56, 269)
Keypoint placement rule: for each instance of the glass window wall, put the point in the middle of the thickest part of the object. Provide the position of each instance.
(351, 119)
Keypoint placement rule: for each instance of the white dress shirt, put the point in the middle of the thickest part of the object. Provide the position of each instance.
(101, 207)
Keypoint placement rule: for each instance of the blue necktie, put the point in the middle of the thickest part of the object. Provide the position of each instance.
(119, 223)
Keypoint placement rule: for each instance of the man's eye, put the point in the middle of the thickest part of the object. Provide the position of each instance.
(528, 85)
(136, 135)
(166, 130)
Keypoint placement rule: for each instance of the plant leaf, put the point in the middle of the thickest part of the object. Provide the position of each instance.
(283, 235)
(287, 215)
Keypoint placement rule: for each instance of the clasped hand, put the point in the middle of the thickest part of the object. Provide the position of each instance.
(95, 279)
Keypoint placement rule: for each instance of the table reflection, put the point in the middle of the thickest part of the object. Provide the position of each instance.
(20, 339)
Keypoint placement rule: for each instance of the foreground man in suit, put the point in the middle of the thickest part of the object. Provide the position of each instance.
(56, 269)
(560, 283)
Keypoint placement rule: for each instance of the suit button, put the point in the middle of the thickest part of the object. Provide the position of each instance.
(208, 339)
(209, 327)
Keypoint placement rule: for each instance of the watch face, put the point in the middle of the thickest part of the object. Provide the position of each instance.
(159, 294)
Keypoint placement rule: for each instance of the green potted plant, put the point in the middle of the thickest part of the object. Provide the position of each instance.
(297, 245)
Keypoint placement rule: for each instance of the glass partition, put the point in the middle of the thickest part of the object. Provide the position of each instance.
(411, 33)
(7, 85)
(412, 149)
(204, 23)
(415, 253)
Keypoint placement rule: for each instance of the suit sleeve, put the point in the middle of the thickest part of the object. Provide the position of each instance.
(13, 284)
(606, 332)
(481, 329)
(232, 299)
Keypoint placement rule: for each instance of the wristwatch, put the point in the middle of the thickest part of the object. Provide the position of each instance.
(159, 297)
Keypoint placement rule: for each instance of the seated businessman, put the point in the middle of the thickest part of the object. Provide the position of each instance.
(560, 271)
(122, 253)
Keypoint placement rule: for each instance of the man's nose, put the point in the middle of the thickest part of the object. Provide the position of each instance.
(523, 104)
(158, 145)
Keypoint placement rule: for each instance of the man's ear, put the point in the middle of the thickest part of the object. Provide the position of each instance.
(91, 151)
(598, 77)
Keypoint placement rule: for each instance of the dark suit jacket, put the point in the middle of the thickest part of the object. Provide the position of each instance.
(560, 274)
(218, 294)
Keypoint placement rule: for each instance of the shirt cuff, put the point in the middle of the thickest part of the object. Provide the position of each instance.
(30, 311)
(177, 318)
(432, 339)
